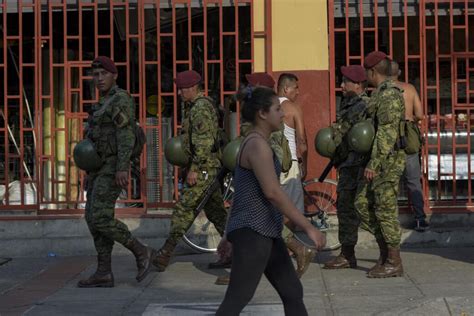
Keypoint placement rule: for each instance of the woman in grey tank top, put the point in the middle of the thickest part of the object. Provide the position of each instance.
(255, 221)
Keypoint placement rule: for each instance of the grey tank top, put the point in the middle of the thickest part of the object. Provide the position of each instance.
(250, 208)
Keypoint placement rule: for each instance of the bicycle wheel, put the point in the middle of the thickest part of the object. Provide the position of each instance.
(320, 195)
(320, 208)
(202, 236)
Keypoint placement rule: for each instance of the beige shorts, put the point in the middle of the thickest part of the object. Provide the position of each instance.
(291, 184)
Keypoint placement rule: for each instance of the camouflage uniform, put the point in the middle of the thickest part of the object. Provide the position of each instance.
(200, 128)
(376, 201)
(350, 166)
(107, 125)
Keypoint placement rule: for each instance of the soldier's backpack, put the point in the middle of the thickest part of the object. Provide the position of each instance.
(281, 147)
(286, 160)
(413, 138)
(222, 139)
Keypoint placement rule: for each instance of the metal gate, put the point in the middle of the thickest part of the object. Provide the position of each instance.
(47, 48)
(433, 41)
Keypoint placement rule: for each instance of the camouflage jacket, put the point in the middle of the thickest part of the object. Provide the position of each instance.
(200, 128)
(353, 110)
(387, 109)
(111, 130)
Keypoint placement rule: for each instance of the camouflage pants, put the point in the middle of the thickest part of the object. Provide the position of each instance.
(377, 202)
(346, 212)
(100, 211)
(183, 214)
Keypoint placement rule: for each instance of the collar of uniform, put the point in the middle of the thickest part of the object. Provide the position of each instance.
(363, 94)
(111, 92)
(387, 83)
(199, 95)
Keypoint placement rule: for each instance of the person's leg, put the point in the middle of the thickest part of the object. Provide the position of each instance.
(292, 186)
(280, 273)
(363, 205)
(217, 215)
(348, 231)
(251, 252)
(215, 211)
(103, 196)
(412, 177)
(385, 188)
(386, 210)
(98, 211)
(181, 220)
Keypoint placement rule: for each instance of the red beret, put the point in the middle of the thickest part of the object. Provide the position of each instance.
(106, 63)
(374, 58)
(187, 79)
(260, 79)
(355, 73)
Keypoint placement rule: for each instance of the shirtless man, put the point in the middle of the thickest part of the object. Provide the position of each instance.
(412, 174)
(288, 91)
(295, 133)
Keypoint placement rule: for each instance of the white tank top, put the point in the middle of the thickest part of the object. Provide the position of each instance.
(290, 134)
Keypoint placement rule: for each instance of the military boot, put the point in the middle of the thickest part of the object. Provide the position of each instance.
(162, 259)
(392, 266)
(103, 276)
(346, 259)
(383, 248)
(143, 255)
(303, 254)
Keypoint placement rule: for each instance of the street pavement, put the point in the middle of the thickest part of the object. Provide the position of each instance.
(437, 281)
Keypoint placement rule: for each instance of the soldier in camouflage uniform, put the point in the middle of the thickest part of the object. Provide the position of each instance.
(376, 199)
(111, 130)
(200, 131)
(350, 164)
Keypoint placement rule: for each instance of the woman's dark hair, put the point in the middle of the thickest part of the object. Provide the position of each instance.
(256, 99)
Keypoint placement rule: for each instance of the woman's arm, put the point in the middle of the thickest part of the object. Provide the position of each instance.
(258, 156)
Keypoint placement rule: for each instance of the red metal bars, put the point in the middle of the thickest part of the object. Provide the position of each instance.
(146, 38)
(430, 40)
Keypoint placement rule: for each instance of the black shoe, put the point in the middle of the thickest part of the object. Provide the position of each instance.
(421, 225)
(220, 264)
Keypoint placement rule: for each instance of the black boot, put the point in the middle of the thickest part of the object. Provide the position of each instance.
(103, 276)
(346, 259)
(144, 256)
(162, 259)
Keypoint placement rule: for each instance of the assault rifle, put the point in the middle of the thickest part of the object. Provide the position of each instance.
(211, 188)
(326, 171)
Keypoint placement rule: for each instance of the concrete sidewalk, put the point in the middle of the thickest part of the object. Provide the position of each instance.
(437, 281)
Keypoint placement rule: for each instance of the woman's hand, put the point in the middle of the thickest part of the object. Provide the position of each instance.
(318, 238)
(224, 250)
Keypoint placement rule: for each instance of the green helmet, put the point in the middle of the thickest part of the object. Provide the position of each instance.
(86, 157)
(174, 152)
(361, 137)
(229, 155)
(324, 142)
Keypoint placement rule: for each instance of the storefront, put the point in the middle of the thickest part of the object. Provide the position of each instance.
(47, 47)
